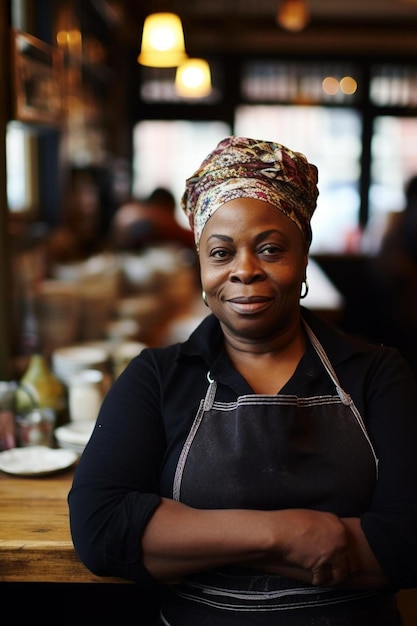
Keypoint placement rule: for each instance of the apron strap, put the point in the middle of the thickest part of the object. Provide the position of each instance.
(344, 397)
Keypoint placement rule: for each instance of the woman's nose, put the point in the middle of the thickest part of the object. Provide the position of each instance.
(246, 268)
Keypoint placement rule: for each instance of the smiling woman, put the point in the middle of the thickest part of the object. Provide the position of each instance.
(255, 471)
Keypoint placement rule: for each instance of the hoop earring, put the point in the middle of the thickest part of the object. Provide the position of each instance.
(304, 294)
(203, 295)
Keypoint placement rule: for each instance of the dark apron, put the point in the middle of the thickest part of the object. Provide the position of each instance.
(275, 452)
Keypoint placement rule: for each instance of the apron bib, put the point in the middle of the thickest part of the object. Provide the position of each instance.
(273, 452)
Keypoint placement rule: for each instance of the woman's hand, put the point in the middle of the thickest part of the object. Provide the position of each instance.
(314, 542)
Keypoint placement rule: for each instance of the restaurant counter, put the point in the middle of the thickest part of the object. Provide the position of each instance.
(35, 540)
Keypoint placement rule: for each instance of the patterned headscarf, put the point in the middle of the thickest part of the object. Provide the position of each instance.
(240, 167)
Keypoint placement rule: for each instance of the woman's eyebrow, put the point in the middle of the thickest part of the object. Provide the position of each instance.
(266, 233)
(257, 239)
(224, 238)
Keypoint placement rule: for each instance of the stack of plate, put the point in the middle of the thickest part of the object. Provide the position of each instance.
(68, 361)
(75, 435)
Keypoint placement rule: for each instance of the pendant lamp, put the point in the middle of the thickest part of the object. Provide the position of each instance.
(162, 41)
(193, 79)
(293, 15)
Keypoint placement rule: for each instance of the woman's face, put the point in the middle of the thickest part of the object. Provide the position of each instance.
(253, 260)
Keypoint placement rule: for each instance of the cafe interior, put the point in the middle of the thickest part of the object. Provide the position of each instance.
(98, 132)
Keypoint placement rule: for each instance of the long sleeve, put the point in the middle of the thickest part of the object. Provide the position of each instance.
(116, 484)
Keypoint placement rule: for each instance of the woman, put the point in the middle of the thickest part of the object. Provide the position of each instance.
(263, 472)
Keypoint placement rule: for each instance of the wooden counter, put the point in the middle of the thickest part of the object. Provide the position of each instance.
(35, 540)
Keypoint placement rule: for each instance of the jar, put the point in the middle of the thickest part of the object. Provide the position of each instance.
(85, 395)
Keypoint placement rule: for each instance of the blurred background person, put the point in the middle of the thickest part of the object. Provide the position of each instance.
(139, 224)
(390, 313)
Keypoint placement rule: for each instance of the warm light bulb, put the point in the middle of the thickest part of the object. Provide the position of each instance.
(193, 79)
(293, 15)
(162, 38)
(330, 85)
(348, 85)
(162, 41)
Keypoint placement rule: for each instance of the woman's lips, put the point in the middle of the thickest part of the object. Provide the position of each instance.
(253, 304)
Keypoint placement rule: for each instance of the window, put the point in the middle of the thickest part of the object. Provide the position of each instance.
(394, 162)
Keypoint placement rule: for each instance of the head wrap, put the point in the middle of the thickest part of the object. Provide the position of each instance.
(240, 167)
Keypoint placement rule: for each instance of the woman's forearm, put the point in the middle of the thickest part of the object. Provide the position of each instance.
(309, 546)
(180, 540)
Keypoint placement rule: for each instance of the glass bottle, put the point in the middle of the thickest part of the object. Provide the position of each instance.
(40, 388)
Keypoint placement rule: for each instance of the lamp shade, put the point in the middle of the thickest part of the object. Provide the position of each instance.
(193, 79)
(162, 41)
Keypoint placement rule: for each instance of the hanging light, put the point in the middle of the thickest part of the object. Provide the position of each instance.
(193, 79)
(162, 41)
(293, 15)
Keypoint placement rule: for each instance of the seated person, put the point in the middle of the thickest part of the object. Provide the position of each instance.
(139, 224)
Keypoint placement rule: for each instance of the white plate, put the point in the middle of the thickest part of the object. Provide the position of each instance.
(36, 460)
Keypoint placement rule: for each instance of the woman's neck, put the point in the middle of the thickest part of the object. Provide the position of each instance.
(267, 366)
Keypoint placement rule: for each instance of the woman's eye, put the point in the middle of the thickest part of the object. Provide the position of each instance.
(270, 249)
(219, 253)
